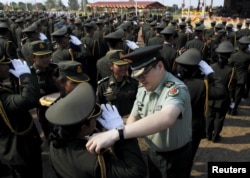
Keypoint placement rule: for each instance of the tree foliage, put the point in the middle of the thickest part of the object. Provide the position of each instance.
(50, 4)
(1, 6)
(73, 4)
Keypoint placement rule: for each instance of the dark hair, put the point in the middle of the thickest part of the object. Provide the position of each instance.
(60, 136)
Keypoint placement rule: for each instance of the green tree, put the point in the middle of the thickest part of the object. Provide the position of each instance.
(22, 5)
(1, 6)
(50, 4)
(73, 5)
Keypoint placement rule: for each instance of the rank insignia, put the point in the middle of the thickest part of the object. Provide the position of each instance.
(169, 84)
(109, 91)
(173, 91)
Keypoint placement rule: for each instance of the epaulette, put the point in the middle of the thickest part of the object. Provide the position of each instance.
(169, 84)
(103, 79)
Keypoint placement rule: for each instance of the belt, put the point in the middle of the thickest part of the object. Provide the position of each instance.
(176, 151)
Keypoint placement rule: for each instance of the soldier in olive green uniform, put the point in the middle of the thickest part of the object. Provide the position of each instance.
(18, 33)
(31, 35)
(168, 52)
(189, 68)
(92, 46)
(61, 53)
(218, 108)
(198, 43)
(74, 117)
(46, 74)
(19, 139)
(161, 113)
(158, 39)
(150, 33)
(240, 60)
(118, 87)
(115, 42)
(8, 46)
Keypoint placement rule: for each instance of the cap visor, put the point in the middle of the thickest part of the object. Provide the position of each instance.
(78, 78)
(42, 53)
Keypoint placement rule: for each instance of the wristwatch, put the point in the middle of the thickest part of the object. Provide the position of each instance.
(120, 131)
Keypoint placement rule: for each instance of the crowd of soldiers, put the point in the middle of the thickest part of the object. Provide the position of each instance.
(89, 41)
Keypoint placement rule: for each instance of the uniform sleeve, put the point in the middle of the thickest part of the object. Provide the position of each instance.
(28, 97)
(216, 88)
(177, 95)
(129, 162)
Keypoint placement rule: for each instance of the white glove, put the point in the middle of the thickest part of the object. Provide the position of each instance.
(20, 67)
(110, 118)
(75, 40)
(205, 68)
(42, 36)
(131, 44)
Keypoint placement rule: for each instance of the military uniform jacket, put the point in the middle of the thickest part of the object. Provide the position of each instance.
(200, 45)
(240, 61)
(19, 149)
(158, 39)
(60, 54)
(181, 40)
(110, 91)
(46, 79)
(19, 36)
(74, 161)
(170, 91)
(197, 92)
(149, 34)
(227, 78)
(103, 68)
(169, 54)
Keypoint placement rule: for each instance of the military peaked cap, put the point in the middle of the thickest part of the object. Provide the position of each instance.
(79, 105)
(40, 48)
(30, 29)
(225, 47)
(143, 57)
(118, 35)
(72, 70)
(115, 56)
(168, 30)
(190, 57)
(62, 32)
(244, 40)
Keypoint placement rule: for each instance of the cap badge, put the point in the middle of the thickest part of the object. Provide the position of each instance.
(41, 46)
(121, 54)
(173, 91)
(79, 69)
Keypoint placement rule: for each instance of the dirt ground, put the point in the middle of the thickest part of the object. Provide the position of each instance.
(233, 147)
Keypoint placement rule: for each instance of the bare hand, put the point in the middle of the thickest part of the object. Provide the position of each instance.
(101, 141)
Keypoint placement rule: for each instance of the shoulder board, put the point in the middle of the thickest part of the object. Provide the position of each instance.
(169, 84)
(102, 80)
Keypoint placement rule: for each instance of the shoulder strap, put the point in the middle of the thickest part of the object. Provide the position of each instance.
(231, 78)
(7, 122)
(102, 165)
(206, 100)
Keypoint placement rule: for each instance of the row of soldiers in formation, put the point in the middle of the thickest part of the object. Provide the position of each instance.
(99, 54)
(87, 40)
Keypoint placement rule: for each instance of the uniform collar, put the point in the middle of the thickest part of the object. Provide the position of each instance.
(112, 80)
